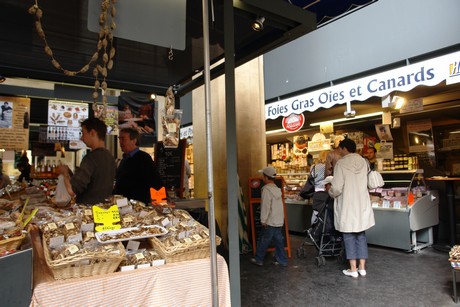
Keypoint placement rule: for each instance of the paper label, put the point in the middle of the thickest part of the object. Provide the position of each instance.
(107, 218)
(127, 219)
(397, 204)
(181, 235)
(133, 245)
(69, 226)
(386, 204)
(197, 237)
(165, 222)
(188, 240)
(73, 249)
(88, 212)
(143, 214)
(90, 234)
(75, 238)
(122, 202)
(52, 226)
(375, 204)
(139, 256)
(172, 229)
(56, 241)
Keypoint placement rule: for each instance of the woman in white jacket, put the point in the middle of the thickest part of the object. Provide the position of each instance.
(353, 213)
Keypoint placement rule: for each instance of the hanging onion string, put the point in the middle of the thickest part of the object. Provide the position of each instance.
(102, 58)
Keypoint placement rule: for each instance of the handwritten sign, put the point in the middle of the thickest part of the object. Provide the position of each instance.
(107, 218)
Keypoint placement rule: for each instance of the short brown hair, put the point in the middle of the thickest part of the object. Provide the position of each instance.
(97, 125)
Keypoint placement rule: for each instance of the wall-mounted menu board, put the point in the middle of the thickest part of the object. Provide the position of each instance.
(170, 164)
(255, 197)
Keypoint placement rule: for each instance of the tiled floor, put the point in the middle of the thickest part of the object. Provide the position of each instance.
(394, 278)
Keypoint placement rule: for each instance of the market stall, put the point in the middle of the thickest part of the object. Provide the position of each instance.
(112, 246)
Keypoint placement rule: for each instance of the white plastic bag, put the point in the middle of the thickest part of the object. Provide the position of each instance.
(374, 180)
(62, 197)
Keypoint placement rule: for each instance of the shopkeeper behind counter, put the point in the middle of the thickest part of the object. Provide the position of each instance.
(137, 172)
(92, 182)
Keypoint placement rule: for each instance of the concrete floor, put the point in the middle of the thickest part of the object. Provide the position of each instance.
(394, 278)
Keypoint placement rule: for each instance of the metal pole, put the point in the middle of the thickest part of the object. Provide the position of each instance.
(207, 92)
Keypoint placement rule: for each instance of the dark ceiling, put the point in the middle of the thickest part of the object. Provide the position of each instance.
(146, 68)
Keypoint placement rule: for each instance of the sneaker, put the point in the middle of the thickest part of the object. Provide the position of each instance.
(255, 262)
(277, 263)
(350, 273)
(362, 272)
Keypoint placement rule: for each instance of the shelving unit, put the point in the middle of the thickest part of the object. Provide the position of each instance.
(407, 227)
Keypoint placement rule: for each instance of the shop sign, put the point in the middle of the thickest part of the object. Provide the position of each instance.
(186, 132)
(428, 73)
(293, 122)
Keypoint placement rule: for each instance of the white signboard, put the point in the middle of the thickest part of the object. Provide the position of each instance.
(429, 73)
(67, 114)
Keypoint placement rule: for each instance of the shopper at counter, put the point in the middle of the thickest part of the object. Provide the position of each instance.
(137, 172)
(333, 156)
(92, 182)
(353, 213)
(272, 220)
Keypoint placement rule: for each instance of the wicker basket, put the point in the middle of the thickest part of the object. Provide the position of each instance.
(197, 250)
(11, 243)
(89, 264)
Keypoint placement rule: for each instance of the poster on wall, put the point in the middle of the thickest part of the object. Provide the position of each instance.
(64, 118)
(300, 148)
(14, 123)
(137, 111)
(383, 132)
(111, 118)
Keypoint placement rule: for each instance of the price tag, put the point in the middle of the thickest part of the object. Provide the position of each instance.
(197, 237)
(52, 226)
(73, 249)
(165, 222)
(69, 226)
(188, 240)
(181, 235)
(90, 234)
(386, 204)
(397, 204)
(157, 195)
(122, 202)
(107, 218)
(127, 219)
(139, 256)
(172, 127)
(88, 212)
(133, 245)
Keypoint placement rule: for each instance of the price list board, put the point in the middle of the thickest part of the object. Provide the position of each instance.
(170, 164)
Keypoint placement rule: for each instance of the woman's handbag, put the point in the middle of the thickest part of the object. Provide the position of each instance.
(309, 188)
(374, 180)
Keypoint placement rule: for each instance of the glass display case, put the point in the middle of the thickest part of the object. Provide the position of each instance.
(405, 212)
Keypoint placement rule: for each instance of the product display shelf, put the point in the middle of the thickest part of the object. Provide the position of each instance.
(406, 227)
(298, 210)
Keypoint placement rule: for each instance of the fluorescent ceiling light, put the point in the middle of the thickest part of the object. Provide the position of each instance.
(275, 131)
(347, 119)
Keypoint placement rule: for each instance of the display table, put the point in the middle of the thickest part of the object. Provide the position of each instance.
(185, 283)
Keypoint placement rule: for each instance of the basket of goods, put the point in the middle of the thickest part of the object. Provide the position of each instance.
(186, 239)
(454, 256)
(11, 226)
(11, 235)
(71, 253)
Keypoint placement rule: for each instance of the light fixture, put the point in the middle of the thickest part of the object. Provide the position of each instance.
(338, 120)
(397, 102)
(153, 96)
(258, 24)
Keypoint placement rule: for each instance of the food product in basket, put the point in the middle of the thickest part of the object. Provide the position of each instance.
(130, 233)
(128, 220)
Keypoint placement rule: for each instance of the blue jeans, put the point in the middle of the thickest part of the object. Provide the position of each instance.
(266, 236)
(355, 245)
